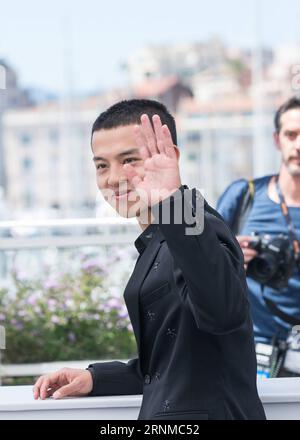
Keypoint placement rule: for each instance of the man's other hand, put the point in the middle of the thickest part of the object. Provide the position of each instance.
(63, 383)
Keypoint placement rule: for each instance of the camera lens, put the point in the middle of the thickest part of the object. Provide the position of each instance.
(263, 267)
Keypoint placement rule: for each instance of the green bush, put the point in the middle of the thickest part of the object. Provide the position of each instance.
(71, 316)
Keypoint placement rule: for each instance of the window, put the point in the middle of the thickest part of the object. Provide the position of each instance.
(193, 136)
(54, 136)
(25, 138)
(27, 164)
(192, 157)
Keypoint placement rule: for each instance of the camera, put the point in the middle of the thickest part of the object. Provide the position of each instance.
(275, 261)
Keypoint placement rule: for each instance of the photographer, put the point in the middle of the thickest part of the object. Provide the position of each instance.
(265, 216)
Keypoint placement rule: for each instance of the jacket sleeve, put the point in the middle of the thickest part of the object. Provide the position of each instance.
(116, 378)
(210, 260)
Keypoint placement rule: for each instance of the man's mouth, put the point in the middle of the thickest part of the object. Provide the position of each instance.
(121, 195)
(295, 159)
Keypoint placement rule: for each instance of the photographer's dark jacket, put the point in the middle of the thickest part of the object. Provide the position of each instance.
(187, 301)
(265, 218)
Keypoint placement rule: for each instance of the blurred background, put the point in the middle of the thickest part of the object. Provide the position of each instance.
(222, 68)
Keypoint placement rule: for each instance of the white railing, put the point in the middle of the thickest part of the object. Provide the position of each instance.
(66, 222)
(36, 234)
(280, 397)
(38, 369)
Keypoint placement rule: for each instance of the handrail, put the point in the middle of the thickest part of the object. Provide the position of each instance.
(104, 234)
(109, 221)
(37, 369)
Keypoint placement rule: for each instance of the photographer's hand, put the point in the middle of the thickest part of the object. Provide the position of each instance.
(249, 254)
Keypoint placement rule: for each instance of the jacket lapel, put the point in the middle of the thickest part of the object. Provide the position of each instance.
(132, 290)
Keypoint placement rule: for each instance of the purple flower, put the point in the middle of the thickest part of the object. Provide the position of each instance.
(102, 308)
(51, 303)
(2, 317)
(51, 284)
(32, 300)
(70, 303)
(55, 319)
(123, 314)
(21, 275)
(90, 265)
(106, 308)
(71, 337)
(114, 303)
(94, 265)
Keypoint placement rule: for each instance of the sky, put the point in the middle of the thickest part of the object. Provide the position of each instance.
(62, 44)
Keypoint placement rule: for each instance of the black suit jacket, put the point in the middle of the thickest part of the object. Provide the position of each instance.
(187, 301)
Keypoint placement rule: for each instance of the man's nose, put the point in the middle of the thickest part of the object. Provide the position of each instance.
(116, 175)
(298, 144)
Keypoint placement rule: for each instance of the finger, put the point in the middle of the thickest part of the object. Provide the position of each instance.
(168, 142)
(141, 142)
(132, 175)
(160, 141)
(250, 253)
(249, 257)
(44, 388)
(244, 240)
(36, 388)
(148, 132)
(70, 389)
(47, 381)
(52, 390)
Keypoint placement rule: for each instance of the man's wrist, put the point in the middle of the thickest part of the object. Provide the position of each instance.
(164, 204)
(90, 368)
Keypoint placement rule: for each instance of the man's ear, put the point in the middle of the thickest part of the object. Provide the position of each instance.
(276, 140)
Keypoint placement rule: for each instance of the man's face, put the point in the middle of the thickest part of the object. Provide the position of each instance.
(112, 149)
(288, 141)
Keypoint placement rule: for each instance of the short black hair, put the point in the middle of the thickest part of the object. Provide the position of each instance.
(129, 112)
(291, 104)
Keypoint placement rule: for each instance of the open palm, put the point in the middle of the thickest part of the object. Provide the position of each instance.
(161, 170)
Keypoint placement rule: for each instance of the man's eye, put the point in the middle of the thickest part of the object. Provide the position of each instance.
(100, 166)
(134, 159)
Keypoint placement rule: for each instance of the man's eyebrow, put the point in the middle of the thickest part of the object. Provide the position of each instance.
(291, 131)
(124, 153)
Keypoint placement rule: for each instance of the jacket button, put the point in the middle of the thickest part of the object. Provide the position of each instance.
(147, 379)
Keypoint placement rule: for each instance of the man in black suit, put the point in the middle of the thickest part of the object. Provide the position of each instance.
(187, 296)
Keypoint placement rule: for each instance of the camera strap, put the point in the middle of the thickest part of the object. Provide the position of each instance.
(296, 246)
(244, 208)
(290, 225)
(291, 320)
